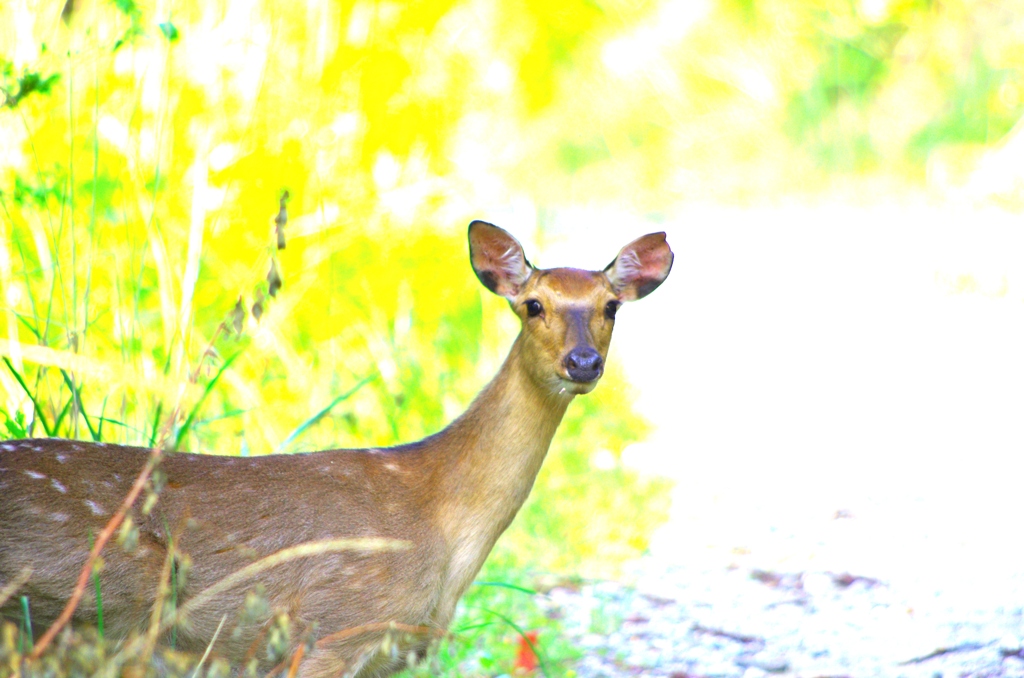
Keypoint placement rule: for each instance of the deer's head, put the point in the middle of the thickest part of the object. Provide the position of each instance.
(567, 314)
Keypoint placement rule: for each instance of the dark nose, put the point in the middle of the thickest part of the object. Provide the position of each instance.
(584, 364)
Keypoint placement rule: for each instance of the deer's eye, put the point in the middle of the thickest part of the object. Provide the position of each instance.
(610, 308)
(533, 308)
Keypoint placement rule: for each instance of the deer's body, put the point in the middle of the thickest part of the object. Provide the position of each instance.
(448, 497)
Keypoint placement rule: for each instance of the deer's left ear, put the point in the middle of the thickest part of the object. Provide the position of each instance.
(641, 266)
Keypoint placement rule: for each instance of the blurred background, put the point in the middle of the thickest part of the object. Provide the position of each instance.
(842, 183)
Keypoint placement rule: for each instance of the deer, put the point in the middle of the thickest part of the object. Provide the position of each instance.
(446, 499)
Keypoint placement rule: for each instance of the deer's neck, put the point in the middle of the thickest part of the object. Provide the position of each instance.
(495, 450)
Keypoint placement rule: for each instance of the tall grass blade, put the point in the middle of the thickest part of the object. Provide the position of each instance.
(128, 427)
(35, 405)
(473, 627)
(156, 424)
(306, 425)
(183, 431)
(101, 419)
(76, 394)
(35, 333)
(29, 327)
(503, 585)
(535, 647)
(63, 413)
(27, 618)
(209, 647)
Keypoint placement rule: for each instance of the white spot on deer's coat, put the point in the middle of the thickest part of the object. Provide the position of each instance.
(95, 508)
(59, 517)
(35, 474)
(62, 458)
(8, 448)
(37, 448)
(59, 486)
(117, 477)
(391, 467)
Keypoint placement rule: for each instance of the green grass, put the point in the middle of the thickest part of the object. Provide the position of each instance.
(493, 621)
(26, 625)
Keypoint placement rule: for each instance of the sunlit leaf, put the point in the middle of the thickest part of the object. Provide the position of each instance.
(169, 30)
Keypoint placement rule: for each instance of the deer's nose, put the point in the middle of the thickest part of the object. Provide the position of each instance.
(584, 364)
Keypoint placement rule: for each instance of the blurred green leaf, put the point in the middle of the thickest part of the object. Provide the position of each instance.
(169, 30)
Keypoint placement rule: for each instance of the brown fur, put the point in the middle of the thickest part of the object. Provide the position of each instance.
(450, 496)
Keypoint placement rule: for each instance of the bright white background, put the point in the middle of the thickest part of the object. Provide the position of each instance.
(804, 361)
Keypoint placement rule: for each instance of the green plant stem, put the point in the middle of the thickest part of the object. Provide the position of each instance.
(27, 619)
(79, 408)
(206, 392)
(35, 405)
(522, 634)
(306, 425)
(503, 585)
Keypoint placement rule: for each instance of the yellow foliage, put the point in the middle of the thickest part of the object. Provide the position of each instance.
(138, 189)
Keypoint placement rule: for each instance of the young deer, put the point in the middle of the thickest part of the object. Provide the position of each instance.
(447, 497)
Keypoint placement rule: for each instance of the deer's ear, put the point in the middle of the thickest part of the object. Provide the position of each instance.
(498, 259)
(641, 266)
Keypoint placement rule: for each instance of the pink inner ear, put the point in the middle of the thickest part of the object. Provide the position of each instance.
(498, 259)
(641, 266)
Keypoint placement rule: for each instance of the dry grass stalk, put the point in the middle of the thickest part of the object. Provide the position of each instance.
(101, 540)
(293, 670)
(355, 631)
(153, 633)
(209, 646)
(381, 626)
(313, 548)
(250, 571)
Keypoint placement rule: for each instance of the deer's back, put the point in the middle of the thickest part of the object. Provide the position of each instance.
(225, 513)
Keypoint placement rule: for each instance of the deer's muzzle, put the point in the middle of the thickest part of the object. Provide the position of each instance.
(584, 364)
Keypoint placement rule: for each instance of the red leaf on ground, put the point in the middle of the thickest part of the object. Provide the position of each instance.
(526, 658)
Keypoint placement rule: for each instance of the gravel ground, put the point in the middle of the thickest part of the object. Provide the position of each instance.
(682, 622)
(837, 393)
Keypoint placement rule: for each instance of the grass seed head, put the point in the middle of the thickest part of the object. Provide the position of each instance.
(128, 535)
(183, 562)
(256, 608)
(279, 637)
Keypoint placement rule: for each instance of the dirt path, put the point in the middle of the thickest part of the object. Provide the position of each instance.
(837, 392)
(690, 622)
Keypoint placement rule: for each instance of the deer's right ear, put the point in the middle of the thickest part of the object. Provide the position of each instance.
(640, 267)
(498, 259)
